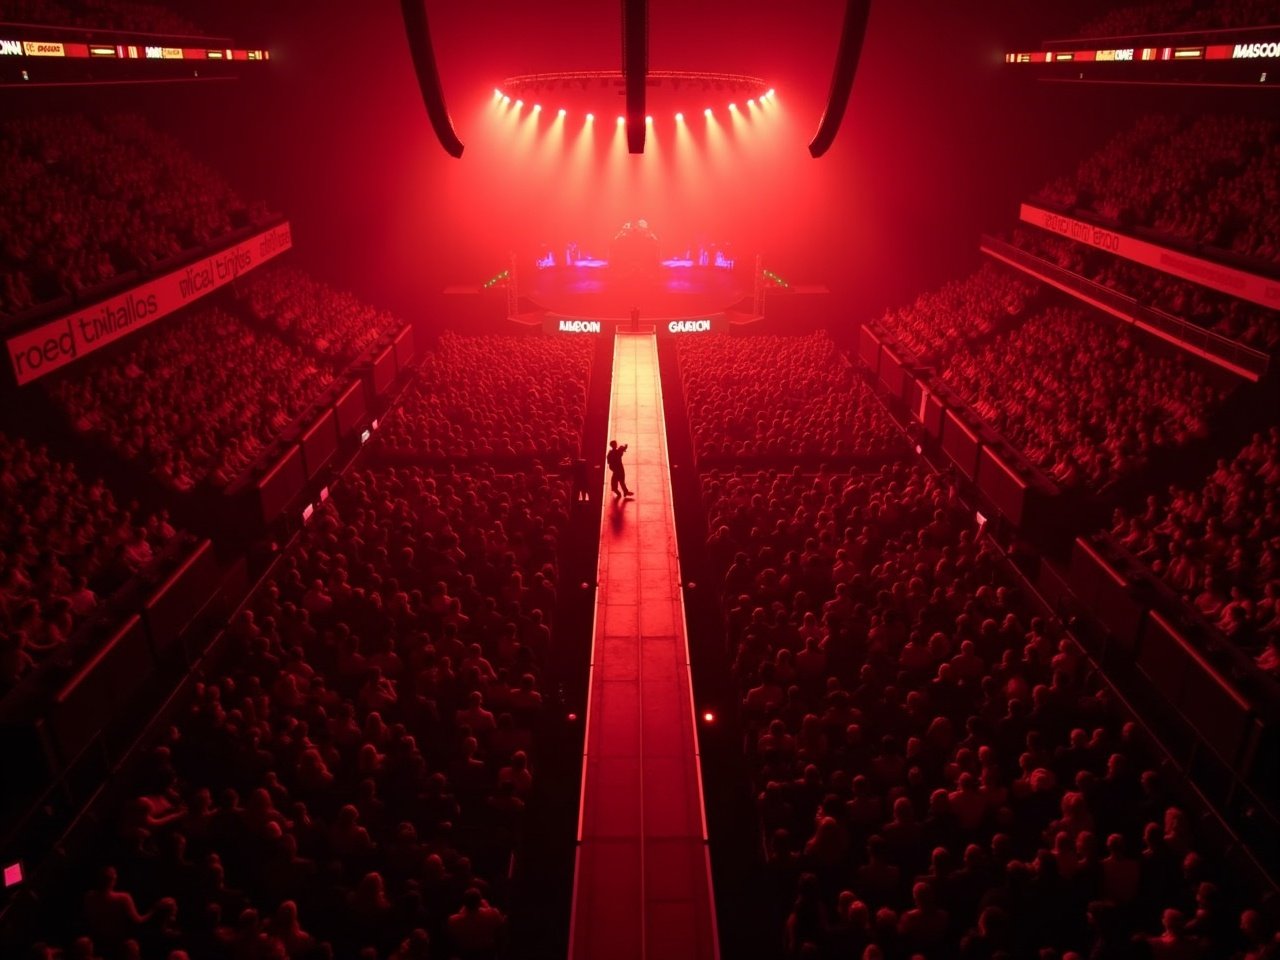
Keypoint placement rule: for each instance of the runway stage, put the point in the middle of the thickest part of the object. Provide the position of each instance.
(642, 889)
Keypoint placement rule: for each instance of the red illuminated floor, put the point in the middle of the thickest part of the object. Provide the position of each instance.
(643, 883)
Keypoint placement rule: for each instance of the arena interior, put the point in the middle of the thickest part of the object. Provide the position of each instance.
(640, 480)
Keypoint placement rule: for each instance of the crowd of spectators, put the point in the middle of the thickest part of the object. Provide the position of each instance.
(125, 15)
(1181, 16)
(84, 200)
(494, 397)
(936, 774)
(1081, 399)
(347, 783)
(762, 397)
(196, 397)
(1219, 546)
(333, 324)
(1228, 316)
(66, 545)
(1204, 179)
(962, 311)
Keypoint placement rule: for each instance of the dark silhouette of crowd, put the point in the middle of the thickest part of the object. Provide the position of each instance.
(1228, 316)
(195, 398)
(351, 783)
(333, 324)
(961, 311)
(1081, 398)
(1219, 546)
(762, 397)
(1185, 15)
(66, 546)
(86, 200)
(1199, 179)
(937, 774)
(125, 15)
(492, 397)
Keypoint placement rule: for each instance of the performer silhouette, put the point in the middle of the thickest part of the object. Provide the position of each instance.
(617, 473)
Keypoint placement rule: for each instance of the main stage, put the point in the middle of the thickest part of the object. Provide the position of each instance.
(670, 289)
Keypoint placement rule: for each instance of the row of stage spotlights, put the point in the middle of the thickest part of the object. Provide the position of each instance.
(767, 96)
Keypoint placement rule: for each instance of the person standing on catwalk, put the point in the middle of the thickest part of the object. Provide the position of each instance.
(617, 473)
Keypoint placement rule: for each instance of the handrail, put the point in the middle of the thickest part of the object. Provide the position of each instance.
(1191, 336)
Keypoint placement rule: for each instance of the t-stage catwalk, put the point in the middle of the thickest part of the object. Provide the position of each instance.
(643, 881)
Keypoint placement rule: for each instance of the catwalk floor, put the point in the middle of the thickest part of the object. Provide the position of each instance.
(643, 882)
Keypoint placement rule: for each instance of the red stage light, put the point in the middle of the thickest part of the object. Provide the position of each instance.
(648, 119)
(679, 118)
(621, 121)
(709, 717)
(706, 112)
(733, 106)
(562, 111)
(519, 104)
(537, 107)
(590, 117)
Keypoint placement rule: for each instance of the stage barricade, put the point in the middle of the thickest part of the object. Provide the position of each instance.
(383, 373)
(1001, 484)
(1106, 593)
(933, 410)
(405, 347)
(177, 602)
(281, 484)
(1207, 701)
(961, 443)
(320, 443)
(869, 349)
(351, 410)
(892, 372)
(99, 691)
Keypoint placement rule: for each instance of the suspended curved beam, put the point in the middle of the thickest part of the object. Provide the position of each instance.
(635, 68)
(856, 13)
(423, 52)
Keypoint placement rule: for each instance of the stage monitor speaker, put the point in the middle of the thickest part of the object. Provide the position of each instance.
(418, 31)
(854, 32)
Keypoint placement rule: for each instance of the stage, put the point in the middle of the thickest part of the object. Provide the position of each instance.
(673, 288)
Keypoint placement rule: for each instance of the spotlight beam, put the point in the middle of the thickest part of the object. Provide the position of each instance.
(854, 32)
(635, 68)
(418, 32)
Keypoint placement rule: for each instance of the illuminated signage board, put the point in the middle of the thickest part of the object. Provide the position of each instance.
(123, 51)
(1262, 50)
(41, 48)
(579, 326)
(1254, 51)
